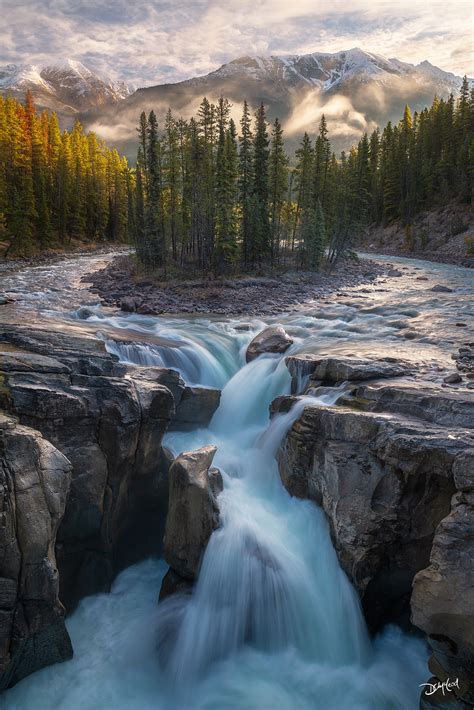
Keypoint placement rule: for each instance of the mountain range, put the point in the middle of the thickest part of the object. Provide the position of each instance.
(356, 90)
(67, 87)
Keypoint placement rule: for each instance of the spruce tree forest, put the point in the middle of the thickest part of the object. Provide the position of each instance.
(207, 195)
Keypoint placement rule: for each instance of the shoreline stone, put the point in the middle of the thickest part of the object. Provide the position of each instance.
(120, 286)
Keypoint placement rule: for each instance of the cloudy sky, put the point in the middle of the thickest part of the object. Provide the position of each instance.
(147, 42)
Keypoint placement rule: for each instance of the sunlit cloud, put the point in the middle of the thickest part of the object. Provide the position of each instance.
(161, 41)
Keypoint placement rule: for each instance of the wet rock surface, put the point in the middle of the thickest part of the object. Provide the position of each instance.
(110, 426)
(273, 339)
(311, 371)
(121, 286)
(193, 514)
(34, 481)
(431, 404)
(195, 408)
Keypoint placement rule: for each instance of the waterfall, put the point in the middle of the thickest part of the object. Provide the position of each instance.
(272, 621)
(261, 584)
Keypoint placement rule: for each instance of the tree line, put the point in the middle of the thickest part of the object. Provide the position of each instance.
(216, 198)
(58, 186)
(207, 195)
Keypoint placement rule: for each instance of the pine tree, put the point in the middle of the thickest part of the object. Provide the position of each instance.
(227, 202)
(304, 212)
(155, 237)
(278, 185)
(322, 156)
(261, 233)
(245, 182)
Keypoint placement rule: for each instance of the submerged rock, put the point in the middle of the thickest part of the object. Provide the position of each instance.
(273, 339)
(34, 480)
(193, 512)
(440, 288)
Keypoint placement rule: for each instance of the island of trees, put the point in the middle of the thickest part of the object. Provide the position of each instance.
(207, 195)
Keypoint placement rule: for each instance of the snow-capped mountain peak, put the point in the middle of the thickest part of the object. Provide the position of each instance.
(327, 71)
(64, 85)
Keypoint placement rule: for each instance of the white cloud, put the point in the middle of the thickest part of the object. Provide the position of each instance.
(149, 42)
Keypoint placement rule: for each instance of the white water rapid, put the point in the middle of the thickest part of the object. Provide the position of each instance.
(273, 623)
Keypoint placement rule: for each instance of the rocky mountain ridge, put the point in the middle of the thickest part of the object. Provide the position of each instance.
(356, 89)
(65, 86)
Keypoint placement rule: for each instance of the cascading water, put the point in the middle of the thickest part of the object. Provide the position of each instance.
(273, 621)
(261, 584)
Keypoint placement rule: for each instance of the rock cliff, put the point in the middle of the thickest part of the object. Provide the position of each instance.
(34, 479)
(105, 423)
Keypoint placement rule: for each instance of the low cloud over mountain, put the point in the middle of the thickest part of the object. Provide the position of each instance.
(356, 90)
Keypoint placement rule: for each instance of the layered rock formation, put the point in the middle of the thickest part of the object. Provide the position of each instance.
(393, 468)
(308, 371)
(443, 594)
(107, 420)
(34, 480)
(193, 515)
(110, 426)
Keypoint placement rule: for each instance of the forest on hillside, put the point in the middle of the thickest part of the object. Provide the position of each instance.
(206, 195)
(58, 187)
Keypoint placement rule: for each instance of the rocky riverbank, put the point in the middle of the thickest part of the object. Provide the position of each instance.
(52, 256)
(445, 236)
(120, 285)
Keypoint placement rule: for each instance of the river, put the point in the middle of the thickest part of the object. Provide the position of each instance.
(273, 622)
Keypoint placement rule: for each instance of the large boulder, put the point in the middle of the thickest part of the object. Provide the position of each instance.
(273, 339)
(385, 483)
(34, 480)
(109, 422)
(193, 513)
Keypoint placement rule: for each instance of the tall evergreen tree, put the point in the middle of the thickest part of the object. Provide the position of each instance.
(261, 232)
(245, 182)
(278, 185)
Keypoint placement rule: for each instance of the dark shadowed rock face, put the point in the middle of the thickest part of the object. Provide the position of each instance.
(443, 593)
(34, 480)
(384, 486)
(196, 408)
(109, 424)
(193, 513)
(273, 339)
